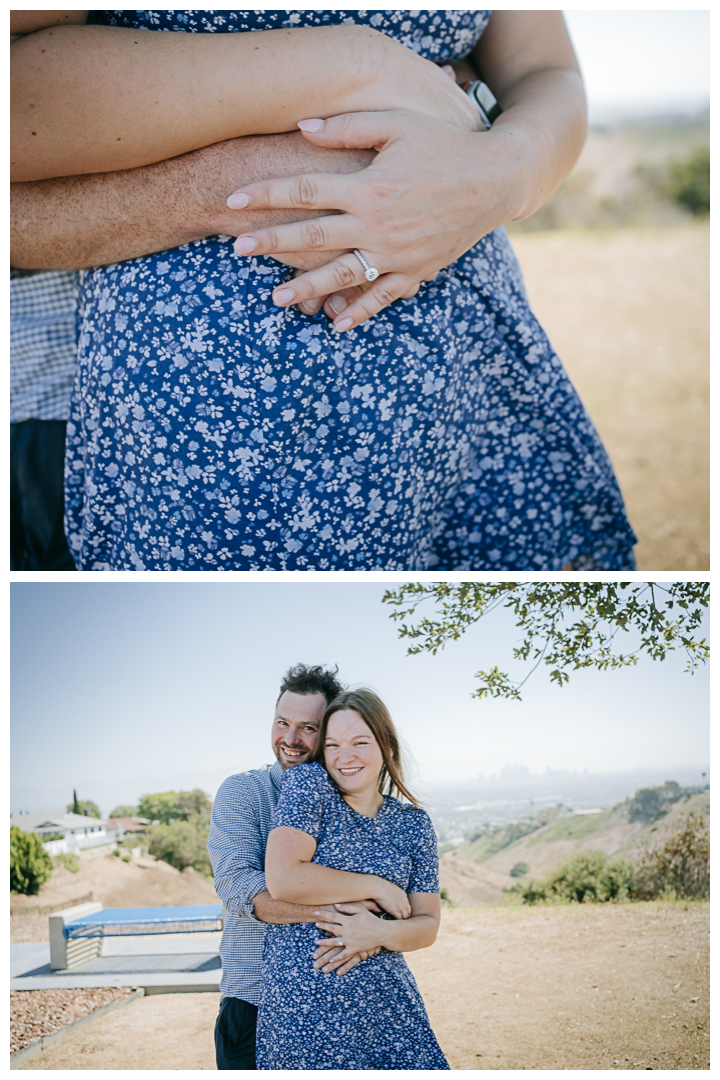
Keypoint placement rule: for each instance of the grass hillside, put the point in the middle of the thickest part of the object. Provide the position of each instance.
(610, 831)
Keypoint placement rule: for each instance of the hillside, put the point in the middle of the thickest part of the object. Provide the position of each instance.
(475, 872)
(144, 882)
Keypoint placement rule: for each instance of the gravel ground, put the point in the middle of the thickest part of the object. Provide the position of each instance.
(34, 1013)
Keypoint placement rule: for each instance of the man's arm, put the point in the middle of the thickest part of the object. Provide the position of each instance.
(82, 221)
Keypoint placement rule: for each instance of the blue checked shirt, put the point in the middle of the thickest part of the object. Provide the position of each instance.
(241, 817)
(42, 343)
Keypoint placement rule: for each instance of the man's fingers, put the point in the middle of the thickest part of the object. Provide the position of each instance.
(348, 966)
(315, 191)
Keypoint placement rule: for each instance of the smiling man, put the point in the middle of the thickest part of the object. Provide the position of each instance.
(241, 817)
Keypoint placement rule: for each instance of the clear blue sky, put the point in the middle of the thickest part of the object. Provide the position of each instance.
(126, 687)
(636, 62)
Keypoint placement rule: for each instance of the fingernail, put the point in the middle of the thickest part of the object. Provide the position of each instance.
(245, 244)
(344, 324)
(338, 304)
(238, 200)
(284, 296)
(311, 307)
(311, 125)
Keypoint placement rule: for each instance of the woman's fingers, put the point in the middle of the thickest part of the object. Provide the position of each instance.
(331, 927)
(379, 295)
(353, 300)
(319, 234)
(314, 191)
(342, 273)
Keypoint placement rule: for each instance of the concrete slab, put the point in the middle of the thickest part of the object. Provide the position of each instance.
(166, 983)
(160, 964)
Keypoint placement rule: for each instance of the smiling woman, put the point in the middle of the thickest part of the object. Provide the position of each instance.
(343, 816)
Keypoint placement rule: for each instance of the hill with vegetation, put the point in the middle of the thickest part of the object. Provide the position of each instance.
(482, 866)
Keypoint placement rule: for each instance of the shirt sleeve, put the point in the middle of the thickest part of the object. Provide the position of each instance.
(425, 872)
(303, 799)
(236, 848)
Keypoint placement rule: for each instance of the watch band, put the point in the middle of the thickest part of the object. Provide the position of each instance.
(485, 100)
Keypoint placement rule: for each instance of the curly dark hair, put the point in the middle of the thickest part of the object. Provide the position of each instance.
(302, 679)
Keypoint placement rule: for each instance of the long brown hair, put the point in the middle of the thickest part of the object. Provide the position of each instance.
(378, 719)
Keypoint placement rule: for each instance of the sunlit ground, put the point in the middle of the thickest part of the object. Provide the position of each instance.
(628, 312)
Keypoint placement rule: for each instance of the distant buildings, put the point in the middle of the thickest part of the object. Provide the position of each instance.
(129, 824)
(68, 834)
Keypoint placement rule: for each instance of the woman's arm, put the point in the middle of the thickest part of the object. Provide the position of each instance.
(290, 875)
(88, 99)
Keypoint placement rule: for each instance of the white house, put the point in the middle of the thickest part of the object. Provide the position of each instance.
(78, 832)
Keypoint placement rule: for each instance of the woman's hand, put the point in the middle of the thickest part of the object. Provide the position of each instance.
(410, 213)
(356, 933)
(435, 188)
(392, 899)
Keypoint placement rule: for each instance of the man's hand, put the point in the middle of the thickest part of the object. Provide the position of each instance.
(82, 221)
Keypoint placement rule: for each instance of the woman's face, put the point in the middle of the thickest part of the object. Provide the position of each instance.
(352, 755)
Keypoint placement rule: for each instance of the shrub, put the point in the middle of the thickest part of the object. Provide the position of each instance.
(586, 877)
(688, 182)
(650, 804)
(30, 865)
(182, 843)
(70, 862)
(519, 869)
(679, 865)
(169, 806)
(124, 811)
(80, 806)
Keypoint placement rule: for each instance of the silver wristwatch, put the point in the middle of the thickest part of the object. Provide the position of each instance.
(486, 102)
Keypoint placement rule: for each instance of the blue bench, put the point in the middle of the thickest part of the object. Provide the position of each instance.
(76, 934)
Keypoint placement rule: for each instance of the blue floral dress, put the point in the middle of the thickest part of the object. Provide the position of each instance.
(211, 430)
(373, 1017)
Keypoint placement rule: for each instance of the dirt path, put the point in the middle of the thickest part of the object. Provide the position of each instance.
(571, 987)
(628, 313)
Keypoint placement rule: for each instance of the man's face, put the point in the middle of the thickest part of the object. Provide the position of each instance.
(295, 727)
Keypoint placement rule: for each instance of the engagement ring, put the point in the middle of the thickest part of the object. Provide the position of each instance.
(371, 272)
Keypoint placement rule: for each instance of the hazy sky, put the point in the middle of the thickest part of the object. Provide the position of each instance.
(640, 61)
(124, 688)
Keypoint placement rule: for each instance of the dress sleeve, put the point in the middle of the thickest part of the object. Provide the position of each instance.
(303, 799)
(424, 875)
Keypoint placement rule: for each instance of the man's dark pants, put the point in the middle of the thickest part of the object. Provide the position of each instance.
(37, 535)
(235, 1034)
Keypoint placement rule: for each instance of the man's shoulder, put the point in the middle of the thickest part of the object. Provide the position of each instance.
(251, 780)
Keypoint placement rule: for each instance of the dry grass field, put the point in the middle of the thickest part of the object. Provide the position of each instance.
(592, 986)
(627, 310)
